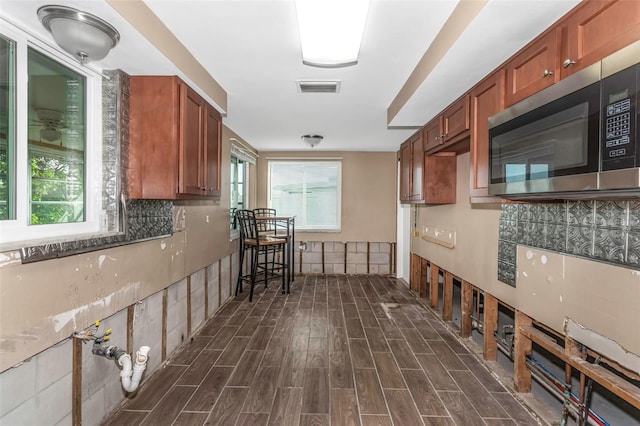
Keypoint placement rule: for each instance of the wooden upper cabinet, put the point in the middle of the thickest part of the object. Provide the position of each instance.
(174, 150)
(405, 172)
(440, 178)
(595, 30)
(487, 98)
(533, 68)
(455, 119)
(411, 169)
(191, 141)
(449, 128)
(417, 166)
(432, 134)
(212, 151)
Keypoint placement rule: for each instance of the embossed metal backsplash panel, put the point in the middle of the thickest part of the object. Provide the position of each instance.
(605, 231)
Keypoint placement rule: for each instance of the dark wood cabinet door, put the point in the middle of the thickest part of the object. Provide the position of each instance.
(532, 69)
(455, 119)
(191, 143)
(440, 178)
(595, 30)
(417, 166)
(487, 98)
(212, 147)
(405, 172)
(432, 134)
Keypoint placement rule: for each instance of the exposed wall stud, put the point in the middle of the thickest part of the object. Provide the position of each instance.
(346, 248)
(523, 347)
(189, 306)
(490, 322)
(131, 313)
(219, 282)
(447, 297)
(165, 302)
(466, 307)
(433, 287)
(414, 276)
(206, 293)
(368, 257)
(231, 274)
(422, 290)
(391, 259)
(76, 382)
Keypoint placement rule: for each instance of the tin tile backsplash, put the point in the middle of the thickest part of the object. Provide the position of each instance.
(606, 231)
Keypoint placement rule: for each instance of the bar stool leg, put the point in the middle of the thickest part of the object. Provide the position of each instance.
(239, 281)
(254, 268)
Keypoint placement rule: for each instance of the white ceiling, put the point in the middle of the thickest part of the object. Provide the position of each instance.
(252, 49)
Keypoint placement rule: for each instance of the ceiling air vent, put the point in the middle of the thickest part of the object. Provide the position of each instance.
(318, 86)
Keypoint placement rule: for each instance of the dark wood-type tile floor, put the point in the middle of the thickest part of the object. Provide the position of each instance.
(338, 350)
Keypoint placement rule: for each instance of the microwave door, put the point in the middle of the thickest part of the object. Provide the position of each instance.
(529, 153)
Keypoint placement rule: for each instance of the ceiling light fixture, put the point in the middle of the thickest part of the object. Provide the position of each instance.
(85, 36)
(312, 140)
(331, 31)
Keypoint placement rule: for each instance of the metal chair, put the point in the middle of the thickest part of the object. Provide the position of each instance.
(258, 244)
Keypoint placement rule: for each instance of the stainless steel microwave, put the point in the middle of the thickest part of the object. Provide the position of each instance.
(575, 139)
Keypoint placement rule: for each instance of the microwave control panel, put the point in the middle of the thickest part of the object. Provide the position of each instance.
(619, 112)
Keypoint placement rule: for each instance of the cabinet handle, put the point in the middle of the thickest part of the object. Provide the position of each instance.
(436, 138)
(568, 62)
(442, 136)
(546, 73)
(203, 188)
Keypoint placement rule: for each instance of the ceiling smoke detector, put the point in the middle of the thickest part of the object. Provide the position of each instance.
(312, 140)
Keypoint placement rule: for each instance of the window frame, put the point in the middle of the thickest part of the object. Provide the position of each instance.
(300, 227)
(16, 232)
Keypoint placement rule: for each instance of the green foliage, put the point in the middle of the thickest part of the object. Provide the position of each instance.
(56, 190)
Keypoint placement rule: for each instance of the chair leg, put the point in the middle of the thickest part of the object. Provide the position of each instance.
(285, 266)
(254, 267)
(239, 281)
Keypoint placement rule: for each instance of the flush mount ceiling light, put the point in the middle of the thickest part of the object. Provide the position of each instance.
(85, 36)
(312, 140)
(331, 31)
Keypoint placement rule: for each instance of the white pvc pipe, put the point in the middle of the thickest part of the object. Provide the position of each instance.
(130, 377)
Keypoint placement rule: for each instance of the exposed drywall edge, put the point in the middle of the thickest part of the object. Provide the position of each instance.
(464, 12)
(602, 344)
(151, 27)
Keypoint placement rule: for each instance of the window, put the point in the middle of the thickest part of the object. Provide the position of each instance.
(239, 199)
(50, 142)
(308, 190)
(7, 108)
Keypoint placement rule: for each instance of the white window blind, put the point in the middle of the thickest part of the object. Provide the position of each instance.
(308, 190)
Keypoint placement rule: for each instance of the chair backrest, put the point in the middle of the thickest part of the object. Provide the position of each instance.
(263, 225)
(246, 220)
(264, 211)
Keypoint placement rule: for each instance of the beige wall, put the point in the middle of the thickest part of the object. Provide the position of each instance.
(44, 302)
(601, 297)
(368, 194)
